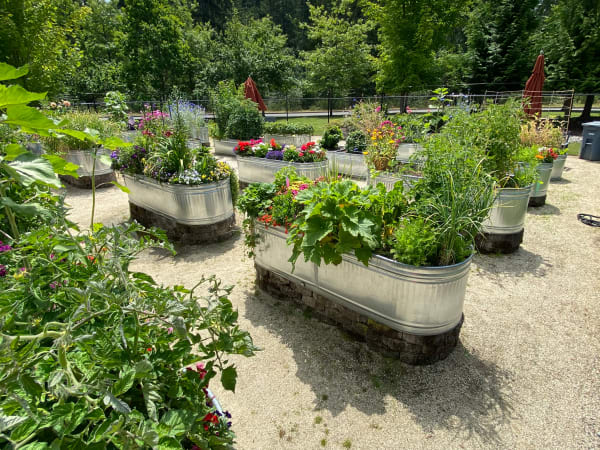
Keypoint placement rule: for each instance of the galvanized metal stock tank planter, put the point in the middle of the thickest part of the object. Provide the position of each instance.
(224, 147)
(352, 164)
(191, 205)
(390, 179)
(540, 189)
(557, 167)
(262, 170)
(423, 301)
(85, 161)
(288, 139)
(502, 231)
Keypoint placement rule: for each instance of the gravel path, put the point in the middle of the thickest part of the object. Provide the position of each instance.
(526, 373)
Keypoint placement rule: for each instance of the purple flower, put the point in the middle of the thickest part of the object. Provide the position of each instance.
(227, 414)
(274, 154)
(2, 270)
(4, 248)
(54, 285)
(114, 155)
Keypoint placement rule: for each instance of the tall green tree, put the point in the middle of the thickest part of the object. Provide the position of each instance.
(101, 39)
(155, 48)
(42, 34)
(498, 40)
(570, 38)
(256, 48)
(341, 60)
(410, 34)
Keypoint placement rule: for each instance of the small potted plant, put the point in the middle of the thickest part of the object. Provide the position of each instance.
(183, 190)
(382, 157)
(543, 133)
(546, 158)
(258, 161)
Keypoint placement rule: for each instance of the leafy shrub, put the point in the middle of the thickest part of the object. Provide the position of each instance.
(224, 100)
(357, 142)
(413, 128)
(288, 128)
(331, 137)
(245, 121)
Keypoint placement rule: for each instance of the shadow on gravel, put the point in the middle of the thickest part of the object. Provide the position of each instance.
(464, 394)
(546, 210)
(522, 262)
(197, 253)
(561, 181)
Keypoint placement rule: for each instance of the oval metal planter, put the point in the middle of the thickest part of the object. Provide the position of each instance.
(423, 301)
(191, 205)
(557, 167)
(224, 147)
(508, 212)
(352, 164)
(389, 180)
(540, 189)
(262, 170)
(405, 151)
(288, 139)
(199, 133)
(85, 161)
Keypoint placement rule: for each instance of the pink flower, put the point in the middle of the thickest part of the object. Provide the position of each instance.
(378, 109)
(408, 110)
(300, 154)
(170, 330)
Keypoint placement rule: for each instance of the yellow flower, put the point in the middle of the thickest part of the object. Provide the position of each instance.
(365, 153)
(390, 141)
(203, 176)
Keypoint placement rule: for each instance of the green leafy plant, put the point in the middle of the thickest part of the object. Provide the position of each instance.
(286, 128)
(357, 142)
(245, 121)
(116, 106)
(335, 219)
(331, 137)
(224, 99)
(414, 242)
(95, 355)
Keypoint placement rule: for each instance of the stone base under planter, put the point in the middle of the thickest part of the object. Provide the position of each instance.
(179, 232)
(243, 185)
(85, 182)
(499, 243)
(409, 348)
(537, 201)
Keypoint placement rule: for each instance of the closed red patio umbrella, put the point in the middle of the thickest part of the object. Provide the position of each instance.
(533, 88)
(251, 92)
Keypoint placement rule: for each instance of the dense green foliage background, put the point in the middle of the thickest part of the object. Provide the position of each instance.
(291, 47)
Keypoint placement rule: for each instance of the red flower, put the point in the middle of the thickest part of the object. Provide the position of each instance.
(312, 152)
(273, 143)
(210, 418)
(301, 154)
(168, 133)
(149, 349)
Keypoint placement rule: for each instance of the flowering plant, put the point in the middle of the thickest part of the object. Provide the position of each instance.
(546, 155)
(308, 152)
(383, 146)
(247, 148)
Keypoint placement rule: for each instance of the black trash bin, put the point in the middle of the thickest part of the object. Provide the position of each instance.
(590, 145)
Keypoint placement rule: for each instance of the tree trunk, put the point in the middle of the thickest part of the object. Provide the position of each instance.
(587, 108)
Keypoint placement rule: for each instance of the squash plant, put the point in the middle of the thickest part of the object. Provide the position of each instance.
(93, 354)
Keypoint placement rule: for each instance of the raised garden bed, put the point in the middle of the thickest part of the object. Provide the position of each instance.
(190, 214)
(224, 147)
(414, 313)
(262, 170)
(85, 160)
(288, 139)
(390, 179)
(352, 164)
(557, 168)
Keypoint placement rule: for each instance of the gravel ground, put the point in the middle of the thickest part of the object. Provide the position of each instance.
(526, 373)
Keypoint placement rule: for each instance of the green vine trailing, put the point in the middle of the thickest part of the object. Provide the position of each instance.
(94, 354)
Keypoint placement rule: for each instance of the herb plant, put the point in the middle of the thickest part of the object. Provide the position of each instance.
(331, 137)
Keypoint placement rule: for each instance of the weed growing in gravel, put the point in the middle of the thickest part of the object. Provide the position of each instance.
(347, 443)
